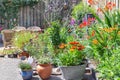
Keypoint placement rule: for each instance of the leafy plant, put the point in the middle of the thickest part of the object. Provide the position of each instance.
(37, 46)
(25, 66)
(44, 59)
(80, 10)
(57, 34)
(109, 67)
(71, 54)
(104, 42)
(20, 39)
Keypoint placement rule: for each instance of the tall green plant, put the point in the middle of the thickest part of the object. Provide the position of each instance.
(55, 34)
(105, 44)
(80, 10)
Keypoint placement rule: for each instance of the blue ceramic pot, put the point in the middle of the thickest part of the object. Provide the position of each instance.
(27, 75)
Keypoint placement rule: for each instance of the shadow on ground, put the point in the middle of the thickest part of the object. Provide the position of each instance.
(1, 44)
(36, 78)
(53, 77)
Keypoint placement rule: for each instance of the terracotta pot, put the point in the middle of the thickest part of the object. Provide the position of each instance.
(44, 70)
(24, 53)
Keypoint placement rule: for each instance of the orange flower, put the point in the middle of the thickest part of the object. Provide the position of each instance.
(74, 43)
(109, 29)
(93, 33)
(71, 49)
(80, 47)
(74, 47)
(91, 2)
(109, 6)
(62, 46)
(95, 41)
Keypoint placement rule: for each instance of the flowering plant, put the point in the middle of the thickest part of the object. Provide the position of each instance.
(71, 54)
(104, 41)
(104, 35)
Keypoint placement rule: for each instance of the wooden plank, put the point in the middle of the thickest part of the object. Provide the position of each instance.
(28, 16)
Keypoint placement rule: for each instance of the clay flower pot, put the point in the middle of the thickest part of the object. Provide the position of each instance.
(23, 55)
(44, 70)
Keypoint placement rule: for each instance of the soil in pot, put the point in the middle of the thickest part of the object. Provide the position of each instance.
(44, 71)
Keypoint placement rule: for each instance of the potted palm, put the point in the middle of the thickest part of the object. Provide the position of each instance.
(44, 68)
(26, 70)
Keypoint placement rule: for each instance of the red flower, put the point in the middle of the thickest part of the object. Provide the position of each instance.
(84, 24)
(90, 20)
(81, 47)
(74, 43)
(91, 2)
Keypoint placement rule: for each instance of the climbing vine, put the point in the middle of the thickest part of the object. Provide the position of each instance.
(9, 11)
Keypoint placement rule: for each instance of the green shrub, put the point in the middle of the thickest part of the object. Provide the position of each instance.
(25, 66)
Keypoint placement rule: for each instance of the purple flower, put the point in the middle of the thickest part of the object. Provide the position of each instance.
(72, 21)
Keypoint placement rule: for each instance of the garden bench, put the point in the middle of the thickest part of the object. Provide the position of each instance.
(34, 29)
(19, 28)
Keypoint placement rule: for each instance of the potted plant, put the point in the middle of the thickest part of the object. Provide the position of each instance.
(44, 68)
(37, 48)
(66, 51)
(20, 39)
(26, 70)
(71, 60)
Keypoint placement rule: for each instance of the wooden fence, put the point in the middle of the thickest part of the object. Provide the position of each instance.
(40, 13)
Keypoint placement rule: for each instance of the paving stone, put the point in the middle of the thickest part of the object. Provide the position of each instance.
(9, 69)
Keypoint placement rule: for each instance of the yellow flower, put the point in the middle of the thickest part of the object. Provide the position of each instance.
(95, 41)
(109, 29)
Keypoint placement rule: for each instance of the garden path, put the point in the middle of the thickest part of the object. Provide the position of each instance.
(9, 69)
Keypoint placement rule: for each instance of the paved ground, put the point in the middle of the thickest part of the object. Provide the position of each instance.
(9, 69)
